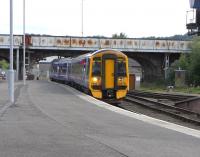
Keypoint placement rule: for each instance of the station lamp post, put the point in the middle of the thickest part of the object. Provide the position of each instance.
(82, 18)
(24, 44)
(11, 71)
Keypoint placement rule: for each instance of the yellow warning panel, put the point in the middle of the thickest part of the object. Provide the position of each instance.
(109, 73)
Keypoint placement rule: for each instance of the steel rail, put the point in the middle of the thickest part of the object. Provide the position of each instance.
(176, 112)
(175, 97)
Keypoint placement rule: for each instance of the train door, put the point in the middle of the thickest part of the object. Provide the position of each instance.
(109, 73)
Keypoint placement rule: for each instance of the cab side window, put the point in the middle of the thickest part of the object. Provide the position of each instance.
(121, 67)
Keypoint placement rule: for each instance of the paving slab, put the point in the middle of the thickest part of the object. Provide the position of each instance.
(3, 93)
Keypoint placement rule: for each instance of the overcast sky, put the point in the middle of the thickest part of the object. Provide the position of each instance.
(135, 18)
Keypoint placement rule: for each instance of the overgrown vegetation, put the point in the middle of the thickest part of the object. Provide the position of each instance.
(194, 63)
(4, 65)
(189, 62)
(174, 37)
(120, 36)
(162, 88)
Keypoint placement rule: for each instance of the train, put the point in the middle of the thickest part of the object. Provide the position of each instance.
(103, 73)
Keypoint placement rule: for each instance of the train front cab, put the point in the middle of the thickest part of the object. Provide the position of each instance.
(109, 75)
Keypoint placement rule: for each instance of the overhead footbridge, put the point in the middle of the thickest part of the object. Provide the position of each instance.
(45, 42)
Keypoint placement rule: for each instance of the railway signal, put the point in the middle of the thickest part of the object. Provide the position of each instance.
(193, 18)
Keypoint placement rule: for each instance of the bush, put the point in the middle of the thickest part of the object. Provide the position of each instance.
(4, 65)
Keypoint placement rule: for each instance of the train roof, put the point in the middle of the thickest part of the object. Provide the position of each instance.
(55, 60)
(102, 50)
(60, 61)
(87, 55)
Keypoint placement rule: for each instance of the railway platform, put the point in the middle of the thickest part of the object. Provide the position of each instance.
(4, 99)
(54, 120)
(3, 93)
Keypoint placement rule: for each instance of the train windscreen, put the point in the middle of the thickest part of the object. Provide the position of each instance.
(121, 67)
(96, 67)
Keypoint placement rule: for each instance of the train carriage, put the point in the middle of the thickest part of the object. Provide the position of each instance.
(108, 74)
(59, 70)
(54, 70)
(103, 73)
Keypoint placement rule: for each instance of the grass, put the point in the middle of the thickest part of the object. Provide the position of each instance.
(191, 90)
(163, 88)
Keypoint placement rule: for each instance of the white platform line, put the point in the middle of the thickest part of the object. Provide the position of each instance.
(6, 106)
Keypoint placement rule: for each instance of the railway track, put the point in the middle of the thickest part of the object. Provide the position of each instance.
(173, 97)
(172, 111)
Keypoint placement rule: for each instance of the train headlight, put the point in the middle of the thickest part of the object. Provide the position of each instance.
(96, 80)
(121, 81)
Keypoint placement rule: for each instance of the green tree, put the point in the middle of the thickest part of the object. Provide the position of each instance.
(194, 62)
(190, 63)
(120, 36)
(183, 64)
(4, 65)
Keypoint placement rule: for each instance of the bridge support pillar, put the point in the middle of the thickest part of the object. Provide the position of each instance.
(166, 60)
(28, 60)
(17, 64)
(20, 64)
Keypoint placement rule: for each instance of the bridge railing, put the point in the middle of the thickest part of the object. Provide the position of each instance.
(5, 40)
(85, 43)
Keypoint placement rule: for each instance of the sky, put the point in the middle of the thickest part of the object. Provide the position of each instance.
(135, 18)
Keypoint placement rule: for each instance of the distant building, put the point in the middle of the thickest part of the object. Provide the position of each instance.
(44, 70)
(41, 70)
(135, 77)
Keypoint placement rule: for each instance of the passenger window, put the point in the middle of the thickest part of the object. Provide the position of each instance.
(96, 66)
(69, 68)
(88, 67)
(121, 67)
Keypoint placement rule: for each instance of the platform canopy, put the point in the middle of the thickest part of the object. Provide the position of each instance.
(195, 4)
